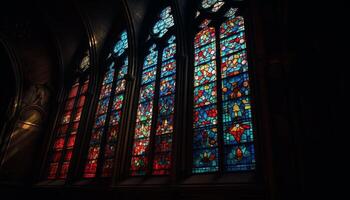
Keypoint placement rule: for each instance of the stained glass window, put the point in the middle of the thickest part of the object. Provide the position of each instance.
(104, 137)
(221, 86)
(152, 147)
(165, 22)
(67, 128)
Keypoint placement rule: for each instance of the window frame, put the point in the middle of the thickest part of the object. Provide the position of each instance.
(80, 76)
(105, 62)
(147, 40)
(218, 18)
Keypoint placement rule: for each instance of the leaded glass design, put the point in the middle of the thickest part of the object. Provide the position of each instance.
(104, 136)
(165, 22)
(217, 6)
(222, 64)
(122, 44)
(66, 131)
(140, 153)
(208, 3)
(152, 146)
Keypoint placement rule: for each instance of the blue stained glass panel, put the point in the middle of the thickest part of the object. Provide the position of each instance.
(168, 68)
(232, 26)
(205, 137)
(233, 44)
(204, 116)
(108, 77)
(122, 44)
(167, 86)
(205, 160)
(147, 92)
(166, 105)
(239, 158)
(151, 58)
(234, 64)
(124, 69)
(205, 94)
(100, 121)
(235, 87)
(238, 109)
(165, 22)
(204, 37)
(205, 54)
(169, 52)
(204, 74)
(149, 75)
(238, 132)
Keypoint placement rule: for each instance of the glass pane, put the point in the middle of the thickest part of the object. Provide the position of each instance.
(239, 158)
(149, 75)
(235, 87)
(165, 22)
(205, 116)
(205, 54)
(204, 74)
(144, 111)
(205, 137)
(165, 125)
(234, 64)
(204, 37)
(166, 105)
(162, 164)
(122, 44)
(233, 44)
(118, 102)
(238, 132)
(168, 68)
(238, 109)
(205, 160)
(152, 58)
(232, 26)
(147, 92)
(205, 95)
(143, 129)
(170, 50)
(167, 86)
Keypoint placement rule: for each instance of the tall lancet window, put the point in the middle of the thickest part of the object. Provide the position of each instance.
(153, 134)
(67, 128)
(222, 116)
(104, 138)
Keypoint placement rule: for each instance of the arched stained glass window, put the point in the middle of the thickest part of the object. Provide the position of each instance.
(222, 126)
(104, 137)
(68, 125)
(153, 135)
